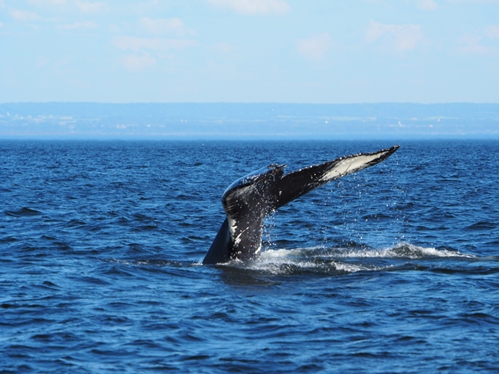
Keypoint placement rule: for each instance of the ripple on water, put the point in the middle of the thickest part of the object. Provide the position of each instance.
(23, 212)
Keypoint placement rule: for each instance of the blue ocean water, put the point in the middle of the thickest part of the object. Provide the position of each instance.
(393, 269)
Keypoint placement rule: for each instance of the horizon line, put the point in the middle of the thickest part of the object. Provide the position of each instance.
(251, 102)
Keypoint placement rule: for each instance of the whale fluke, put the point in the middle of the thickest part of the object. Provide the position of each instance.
(250, 199)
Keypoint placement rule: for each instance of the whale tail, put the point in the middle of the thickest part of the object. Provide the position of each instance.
(248, 200)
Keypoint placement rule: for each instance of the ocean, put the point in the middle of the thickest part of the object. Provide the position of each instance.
(390, 270)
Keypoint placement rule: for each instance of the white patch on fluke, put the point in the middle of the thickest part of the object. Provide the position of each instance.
(349, 165)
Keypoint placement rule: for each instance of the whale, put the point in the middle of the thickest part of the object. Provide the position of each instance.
(250, 199)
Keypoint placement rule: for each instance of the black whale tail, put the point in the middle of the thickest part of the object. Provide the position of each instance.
(248, 200)
(298, 183)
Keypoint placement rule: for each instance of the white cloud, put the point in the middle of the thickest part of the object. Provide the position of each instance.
(221, 47)
(314, 47)
(132, 62)
(427, 4)
(164, 26)
(253, 7)
(159, 44)
(88, 7)
(42, 61)
(474, 1)
(492, 32)
(405, 37)
(470, 44)
(24, 16)
(46, 2)
(78, 25)
(1, 24)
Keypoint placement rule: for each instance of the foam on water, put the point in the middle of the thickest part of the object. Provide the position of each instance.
(401, 250)
(281, 265)
(336, 260)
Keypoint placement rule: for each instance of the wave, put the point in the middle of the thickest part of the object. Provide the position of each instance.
(317, 260)
(23, 212)
(401, 250)
(342, 260)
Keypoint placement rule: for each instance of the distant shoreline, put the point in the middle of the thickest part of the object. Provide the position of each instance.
(248, 121)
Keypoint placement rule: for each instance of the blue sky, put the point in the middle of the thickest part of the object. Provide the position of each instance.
(317, 51)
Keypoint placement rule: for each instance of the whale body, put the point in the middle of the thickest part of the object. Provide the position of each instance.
(249, 200)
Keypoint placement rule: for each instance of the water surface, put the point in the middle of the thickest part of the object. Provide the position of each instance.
(393, 269)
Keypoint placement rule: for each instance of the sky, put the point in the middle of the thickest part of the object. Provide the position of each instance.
(289, 51)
